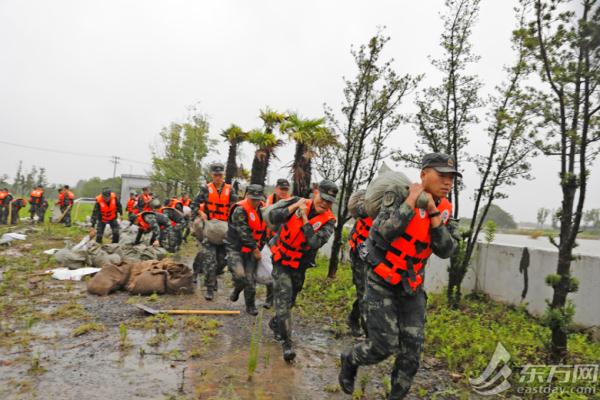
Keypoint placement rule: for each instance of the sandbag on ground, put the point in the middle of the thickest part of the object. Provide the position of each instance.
(72, 259)
(179, 277)
(108, 279)
(215, 231)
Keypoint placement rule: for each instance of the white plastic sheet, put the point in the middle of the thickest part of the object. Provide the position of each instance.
(9, 237)
(265, 267)
(66, 274)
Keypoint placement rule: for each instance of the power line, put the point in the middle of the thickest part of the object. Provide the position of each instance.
(72, 153)
(115, 161)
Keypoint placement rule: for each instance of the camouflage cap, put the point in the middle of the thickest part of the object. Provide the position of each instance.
(440, 162)
(217, 168)
(282, 183)
(328, 190)
(255, 192)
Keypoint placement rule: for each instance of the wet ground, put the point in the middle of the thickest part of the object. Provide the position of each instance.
(126, 354)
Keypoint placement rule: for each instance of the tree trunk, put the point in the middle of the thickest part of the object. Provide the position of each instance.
(231, 168)
(301, 171)
(260, 165)
(335, 250)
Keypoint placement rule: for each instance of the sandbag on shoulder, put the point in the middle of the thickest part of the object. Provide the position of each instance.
(388, 181)
(215, 231)
(108, 279)
(280, 204)
(355, 202)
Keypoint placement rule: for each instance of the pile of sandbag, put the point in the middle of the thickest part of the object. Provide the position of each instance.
(144, 278)
(90, 253)
(388, 181)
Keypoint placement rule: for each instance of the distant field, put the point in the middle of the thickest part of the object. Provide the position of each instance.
(79, 213)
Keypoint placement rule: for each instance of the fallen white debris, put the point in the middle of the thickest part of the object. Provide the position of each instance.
(66, 274)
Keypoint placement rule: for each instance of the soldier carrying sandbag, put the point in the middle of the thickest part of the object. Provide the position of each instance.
(402, 238)
(213, 203)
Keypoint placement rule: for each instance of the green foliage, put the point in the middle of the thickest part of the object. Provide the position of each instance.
(490, 231)
(85, 328)
(93, 187)
(177, 160)
(501, 218)
(559, 317)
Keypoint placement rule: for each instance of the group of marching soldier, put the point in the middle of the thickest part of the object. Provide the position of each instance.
(388, 254)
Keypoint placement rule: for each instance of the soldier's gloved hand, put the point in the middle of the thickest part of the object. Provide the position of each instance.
(257, 254)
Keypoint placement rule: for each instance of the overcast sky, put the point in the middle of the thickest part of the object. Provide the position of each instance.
(103, 77)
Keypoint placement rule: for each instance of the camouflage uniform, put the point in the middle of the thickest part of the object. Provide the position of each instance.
(211, 257)
(5, 204)
(151, 219)
(395, 316)
(357, 317)
(16, 206)
(173, 235)
(288, 282)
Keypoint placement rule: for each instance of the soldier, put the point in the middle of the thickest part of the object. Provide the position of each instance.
(65, 202)
(282, 192)
(187, 202)
(306, 226)
(144, 200)
(213, 202)
(36, 198)
(152, 221)
(5, 201)
(173, 210)
(106, 212)
(358, 234)
(245, 239)
(400, 241)
(132, 206)
(15, 207)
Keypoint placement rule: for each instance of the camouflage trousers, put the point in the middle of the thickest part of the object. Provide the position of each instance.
(4, 215)
(287, 283)
(170, 238)
(40, 211)
(67, 218)
(357, 317)
(396, 323)
(114, 226)
(243, 270)
(212, 262)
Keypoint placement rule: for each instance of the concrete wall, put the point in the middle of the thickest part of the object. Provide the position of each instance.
(132, 182)
(495, 271)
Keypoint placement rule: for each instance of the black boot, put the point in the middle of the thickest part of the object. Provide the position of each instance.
(249, 296)
(209, 295)
(288, 351)
(347, 373)
(274, 327)
(269, 300)
(235, 295)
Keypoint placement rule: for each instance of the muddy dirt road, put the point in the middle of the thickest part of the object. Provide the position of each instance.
(58, 342)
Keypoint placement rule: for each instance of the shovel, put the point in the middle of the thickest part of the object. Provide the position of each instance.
(152, 311)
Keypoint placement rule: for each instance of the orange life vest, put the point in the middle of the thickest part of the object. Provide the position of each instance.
(36, 196)
(132, 205)
(360, 232)
(289, 247)
(108, 212)
(174, 201)
(186, 202)
(69, 196)
(146, 198)
(217, 203)
(255, 222)
(141, 222)
(393, 266)
(3, 195)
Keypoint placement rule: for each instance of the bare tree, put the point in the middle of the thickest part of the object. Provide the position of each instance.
(370, 116)
(565, 46)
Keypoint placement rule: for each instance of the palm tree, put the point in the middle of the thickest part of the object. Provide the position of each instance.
(234, 135)
(309, 135)
(265, 143)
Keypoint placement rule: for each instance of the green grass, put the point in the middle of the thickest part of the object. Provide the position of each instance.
(464, 339)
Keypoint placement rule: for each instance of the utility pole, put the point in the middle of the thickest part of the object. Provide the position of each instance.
(115, 161)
